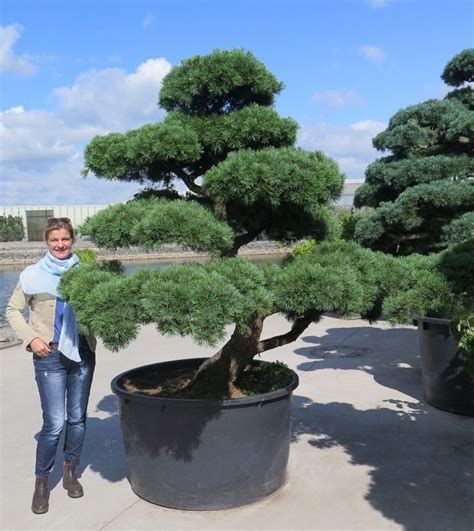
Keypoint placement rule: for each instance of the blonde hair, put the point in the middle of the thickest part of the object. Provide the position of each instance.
(56, 224)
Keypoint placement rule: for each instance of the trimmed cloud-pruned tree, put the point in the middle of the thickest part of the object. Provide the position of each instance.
(223, 139)
(423, 191)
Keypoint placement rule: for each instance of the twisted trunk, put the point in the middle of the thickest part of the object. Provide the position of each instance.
(217, 375)
(240, 240)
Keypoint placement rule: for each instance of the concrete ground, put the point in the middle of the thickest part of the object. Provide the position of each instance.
(366, 453)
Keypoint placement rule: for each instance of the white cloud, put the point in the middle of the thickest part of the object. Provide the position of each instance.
(351, 145)
(38, 135)
(337, 98)
(352, 166)
(376, 4)
(113, 100)
(373, 53)
(148, 20)
(9, 61)
(443, 91)
(369, 126)
(42, 150)
(60, 183)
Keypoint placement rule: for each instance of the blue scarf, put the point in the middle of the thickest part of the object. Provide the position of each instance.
(43, 277)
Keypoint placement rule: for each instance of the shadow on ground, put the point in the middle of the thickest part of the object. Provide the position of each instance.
(372, 350)
(420, 458)
(103, 450)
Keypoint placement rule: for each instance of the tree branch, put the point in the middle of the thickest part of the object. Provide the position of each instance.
(299, 326)
(189, 182)
(220, 210)
(246, 237)
(242, 239)
(407, 237)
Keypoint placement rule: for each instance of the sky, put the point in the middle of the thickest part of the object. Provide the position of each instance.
(73, 69)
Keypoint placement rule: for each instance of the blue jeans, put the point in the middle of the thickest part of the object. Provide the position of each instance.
(64, 387)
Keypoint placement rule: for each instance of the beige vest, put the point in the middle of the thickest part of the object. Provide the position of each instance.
(41, 321)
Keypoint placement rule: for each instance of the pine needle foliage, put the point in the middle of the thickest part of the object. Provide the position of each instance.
(425, 181)
(151, 222)
(200, 300)
(219, 83)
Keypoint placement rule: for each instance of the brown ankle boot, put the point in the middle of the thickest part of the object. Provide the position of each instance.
(40, 504)
(70, 483)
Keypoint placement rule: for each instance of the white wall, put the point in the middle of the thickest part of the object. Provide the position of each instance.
(76, 213)
(347, 198)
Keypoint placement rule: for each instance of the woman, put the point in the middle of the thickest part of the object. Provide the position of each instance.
(63, 360)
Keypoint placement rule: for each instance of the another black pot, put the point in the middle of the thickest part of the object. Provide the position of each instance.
(446, 383)
(204, 454)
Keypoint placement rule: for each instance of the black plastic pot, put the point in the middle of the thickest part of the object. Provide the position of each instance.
(446, 383)
(204, 454)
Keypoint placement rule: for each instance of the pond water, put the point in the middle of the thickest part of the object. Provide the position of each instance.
(9, 274)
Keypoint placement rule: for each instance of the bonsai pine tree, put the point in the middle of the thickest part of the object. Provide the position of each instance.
(422, 191)
(224, 141)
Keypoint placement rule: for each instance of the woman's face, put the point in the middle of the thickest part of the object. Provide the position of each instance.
(60, 243)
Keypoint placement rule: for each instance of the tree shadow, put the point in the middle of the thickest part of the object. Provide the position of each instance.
(154, 426)
(174, 433)
(420, 459)
(421, 474)
(103, 449)
(392, 357)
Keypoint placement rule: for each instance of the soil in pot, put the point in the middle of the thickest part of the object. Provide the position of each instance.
(172, 383)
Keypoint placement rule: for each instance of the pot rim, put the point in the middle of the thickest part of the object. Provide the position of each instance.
(199, 402)
(432, 320)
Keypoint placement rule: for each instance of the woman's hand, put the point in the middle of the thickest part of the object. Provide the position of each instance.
(39, 347)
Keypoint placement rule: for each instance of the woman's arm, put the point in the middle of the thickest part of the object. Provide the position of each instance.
(14, 314)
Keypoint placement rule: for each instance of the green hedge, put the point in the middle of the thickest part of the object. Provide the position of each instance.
(11, 229)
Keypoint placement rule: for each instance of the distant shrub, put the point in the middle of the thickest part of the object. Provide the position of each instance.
(11, 229)
(305, 247)
(89, 257)
(465, 335)
(113, 266)
(86, 256)
(348, 220)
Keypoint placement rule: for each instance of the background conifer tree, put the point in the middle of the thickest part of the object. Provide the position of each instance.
(423, 191)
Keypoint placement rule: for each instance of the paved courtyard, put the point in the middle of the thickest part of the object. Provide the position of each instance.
(366, 452)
